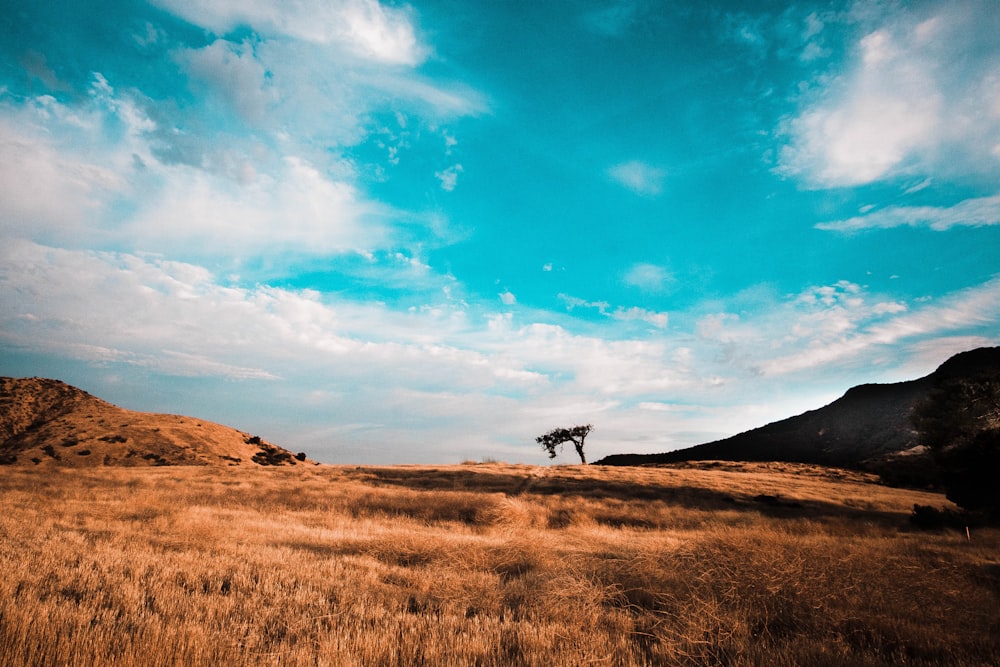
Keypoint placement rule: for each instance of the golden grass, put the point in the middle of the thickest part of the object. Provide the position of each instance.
(487, 564)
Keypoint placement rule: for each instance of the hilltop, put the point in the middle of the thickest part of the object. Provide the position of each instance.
(868, 427)
(48, 422)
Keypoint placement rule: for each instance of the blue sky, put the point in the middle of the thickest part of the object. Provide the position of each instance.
(428, 232)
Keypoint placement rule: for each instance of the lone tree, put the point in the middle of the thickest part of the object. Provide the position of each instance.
(559, 436)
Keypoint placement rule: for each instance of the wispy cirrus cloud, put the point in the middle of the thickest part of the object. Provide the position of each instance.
(977, 212)
(620, 313)
(365, 27)
(843, 325)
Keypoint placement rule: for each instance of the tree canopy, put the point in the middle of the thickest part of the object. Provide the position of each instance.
(960, 424)
(557, 437)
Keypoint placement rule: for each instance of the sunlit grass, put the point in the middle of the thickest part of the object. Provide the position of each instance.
(488, 564)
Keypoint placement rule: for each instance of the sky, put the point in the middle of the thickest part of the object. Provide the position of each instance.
(430, 232)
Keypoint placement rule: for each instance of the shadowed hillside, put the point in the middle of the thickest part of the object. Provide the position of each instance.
(48, 422)
(869, 427)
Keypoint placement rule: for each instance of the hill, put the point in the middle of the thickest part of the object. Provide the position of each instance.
(48, 422)
(868, 427)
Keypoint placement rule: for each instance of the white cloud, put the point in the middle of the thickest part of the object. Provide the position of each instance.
(454, 100)
(648, 277)
(235, 74)
(449, 177)
(46, 190)
(576, 302)
(300, 96)
(57, 175)
(172, 318)
(976, 212)
(911, 103)
(658, 320)
(639, 177)
(147, 311)
(364, 27)
(433, 375)
(297, 209)
(507, 298)
(621, 313)
(63, 182)
(842, 325)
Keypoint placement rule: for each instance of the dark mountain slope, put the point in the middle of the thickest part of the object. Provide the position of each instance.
(868, 427)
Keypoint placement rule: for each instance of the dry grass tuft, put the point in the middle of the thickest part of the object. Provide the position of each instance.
(487, 564)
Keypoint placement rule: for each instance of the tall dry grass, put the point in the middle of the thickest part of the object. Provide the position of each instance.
(486, 565)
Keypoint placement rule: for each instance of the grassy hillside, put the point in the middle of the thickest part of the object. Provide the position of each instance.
(492, 564)
(47, 423)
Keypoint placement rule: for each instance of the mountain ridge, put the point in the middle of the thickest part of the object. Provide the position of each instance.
(52, 423)
(868, 427)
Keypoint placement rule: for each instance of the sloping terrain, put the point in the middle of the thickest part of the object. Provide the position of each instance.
(48, 422)
(868, 427)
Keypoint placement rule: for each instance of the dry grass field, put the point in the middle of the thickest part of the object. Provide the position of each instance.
(489, 564)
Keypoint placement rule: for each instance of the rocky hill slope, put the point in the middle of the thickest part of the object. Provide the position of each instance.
(50, 423)
(869, 427)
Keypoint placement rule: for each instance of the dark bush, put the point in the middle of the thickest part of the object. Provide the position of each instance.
(926, 517)
(269, 455)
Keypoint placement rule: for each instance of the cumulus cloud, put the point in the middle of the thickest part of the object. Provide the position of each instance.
(45, 190)
(978, 212)
(62, 180)
(297, 209)
(55, 189)
(912, 102)
(234, 73)
(639, 177)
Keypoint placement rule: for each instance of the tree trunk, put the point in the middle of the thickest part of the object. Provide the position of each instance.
(579, 450)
